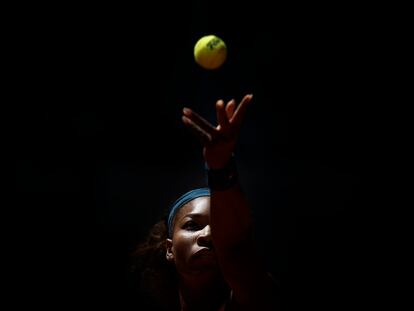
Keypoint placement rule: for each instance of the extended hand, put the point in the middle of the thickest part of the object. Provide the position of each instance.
(218, 141)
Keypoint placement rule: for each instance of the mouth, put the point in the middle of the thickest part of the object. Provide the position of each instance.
(204, 253)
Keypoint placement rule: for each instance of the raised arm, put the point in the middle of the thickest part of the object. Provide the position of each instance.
(230, 216)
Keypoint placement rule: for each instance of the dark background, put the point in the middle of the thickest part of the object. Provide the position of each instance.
(99, 147)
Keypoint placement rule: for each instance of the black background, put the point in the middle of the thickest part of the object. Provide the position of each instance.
(99, 147)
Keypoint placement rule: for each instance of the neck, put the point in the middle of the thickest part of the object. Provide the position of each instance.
(202, 294)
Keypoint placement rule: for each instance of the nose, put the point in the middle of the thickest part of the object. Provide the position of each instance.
(204, 238)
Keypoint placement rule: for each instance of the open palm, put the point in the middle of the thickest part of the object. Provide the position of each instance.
(219, 141)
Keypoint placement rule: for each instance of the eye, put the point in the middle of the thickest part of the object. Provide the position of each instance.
(191, 225)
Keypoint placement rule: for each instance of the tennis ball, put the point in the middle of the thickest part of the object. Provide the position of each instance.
(210, 52)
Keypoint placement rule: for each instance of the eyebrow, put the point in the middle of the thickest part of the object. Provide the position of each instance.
(194, 215)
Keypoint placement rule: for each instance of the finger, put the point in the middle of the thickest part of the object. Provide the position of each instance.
(240, 112)
(199, 121)
(230, 108)
(222, 119)
(202, 135)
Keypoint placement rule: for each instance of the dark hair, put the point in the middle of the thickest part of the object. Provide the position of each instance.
(157, 277)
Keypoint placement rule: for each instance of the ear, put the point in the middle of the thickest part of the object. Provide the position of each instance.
(168, 246)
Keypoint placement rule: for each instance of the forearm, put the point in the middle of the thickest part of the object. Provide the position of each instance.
(231, 221)
(232, 233)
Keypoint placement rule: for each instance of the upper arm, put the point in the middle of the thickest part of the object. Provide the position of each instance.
(252, 286)
(240, 261)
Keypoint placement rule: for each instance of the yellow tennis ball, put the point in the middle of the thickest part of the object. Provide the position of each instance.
(210, 52)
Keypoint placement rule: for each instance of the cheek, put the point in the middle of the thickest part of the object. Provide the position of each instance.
(183, 245)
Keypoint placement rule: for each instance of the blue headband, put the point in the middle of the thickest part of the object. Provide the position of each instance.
(181, 201)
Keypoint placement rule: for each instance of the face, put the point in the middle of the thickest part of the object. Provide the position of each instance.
(190, 247)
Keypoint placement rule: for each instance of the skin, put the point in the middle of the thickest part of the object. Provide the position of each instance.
(219, 141)
(202, 286)
(226, 224)
(192, 234)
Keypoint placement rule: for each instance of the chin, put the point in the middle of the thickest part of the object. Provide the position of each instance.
(207, 267)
